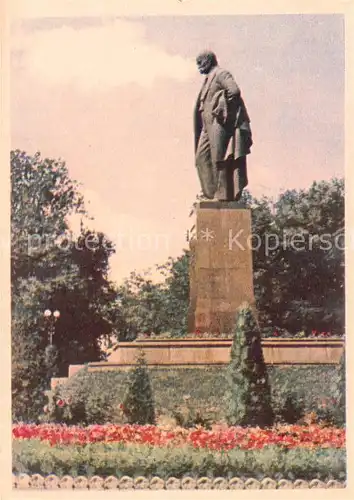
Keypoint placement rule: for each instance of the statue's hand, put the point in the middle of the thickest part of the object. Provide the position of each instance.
(220, 113)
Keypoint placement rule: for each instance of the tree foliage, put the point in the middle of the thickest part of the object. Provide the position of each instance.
(53, 269)
(176, 289)
(155, 307)
(299, 266)
(298, 269)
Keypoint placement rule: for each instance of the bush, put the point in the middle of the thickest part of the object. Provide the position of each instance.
(138, 404)
(292, 410)
(55, 410)
(312, 390)
(187, 415)
(134, 460)
(248, 398)
(332, 410)
(81, 402)
(288, 404)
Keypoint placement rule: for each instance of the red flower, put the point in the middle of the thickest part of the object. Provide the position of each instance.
(276, 334)
(60, 403)
(123, 409)
(198, 332)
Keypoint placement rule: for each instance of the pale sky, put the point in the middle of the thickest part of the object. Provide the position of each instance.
(114, 98)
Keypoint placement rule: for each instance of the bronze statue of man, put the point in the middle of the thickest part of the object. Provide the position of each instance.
(221, 123)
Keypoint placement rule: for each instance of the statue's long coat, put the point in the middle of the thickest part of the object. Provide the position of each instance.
(224, 111)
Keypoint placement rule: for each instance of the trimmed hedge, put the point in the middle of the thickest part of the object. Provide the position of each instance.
(118, 460)
(95, 397)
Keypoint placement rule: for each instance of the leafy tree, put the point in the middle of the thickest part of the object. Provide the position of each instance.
(28, 342)
(87, 303)
(265, 265)
(52, 269)
(176, 291)
(248, 398)
(142, 304)
(42, 198)
(148, 307)
(138, 404)
(299, 280)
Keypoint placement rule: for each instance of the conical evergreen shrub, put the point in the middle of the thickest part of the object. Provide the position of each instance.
(248, 397)
(138, 403)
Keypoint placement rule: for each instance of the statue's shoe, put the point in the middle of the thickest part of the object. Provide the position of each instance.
(238, 196)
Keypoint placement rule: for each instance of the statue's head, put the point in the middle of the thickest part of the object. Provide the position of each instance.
(206, 61)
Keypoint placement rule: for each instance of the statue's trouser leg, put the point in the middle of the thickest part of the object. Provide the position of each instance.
(206, 171)
(212, 147)
(240, 179)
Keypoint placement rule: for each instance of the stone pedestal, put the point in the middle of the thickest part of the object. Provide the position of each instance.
(221, 274)
(196, 352)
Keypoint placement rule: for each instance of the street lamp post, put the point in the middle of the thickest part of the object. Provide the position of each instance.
(51, 351)
(49, 315)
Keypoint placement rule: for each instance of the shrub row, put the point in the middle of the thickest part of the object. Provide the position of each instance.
(96, 397)
(34, 457)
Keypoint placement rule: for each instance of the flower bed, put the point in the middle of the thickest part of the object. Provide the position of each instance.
(219, 438)
(268, 333)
